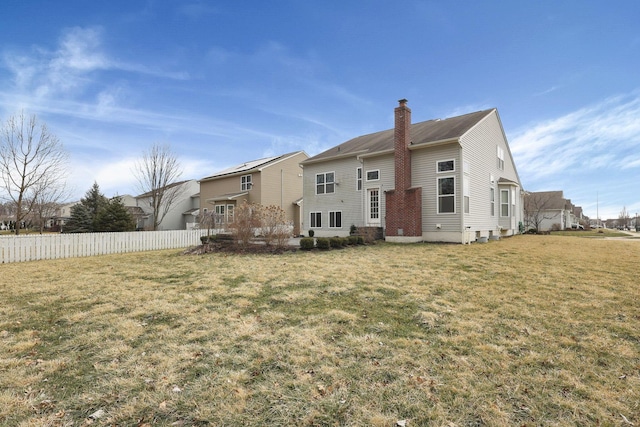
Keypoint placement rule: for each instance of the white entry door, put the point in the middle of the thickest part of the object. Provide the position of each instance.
(373, 206)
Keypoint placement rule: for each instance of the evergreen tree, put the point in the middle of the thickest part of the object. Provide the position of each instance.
(80, 222)
(114, 216)
(94, 201)
(96, 213)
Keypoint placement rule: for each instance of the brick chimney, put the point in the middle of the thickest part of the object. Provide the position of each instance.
(401, 141)
(404, 203)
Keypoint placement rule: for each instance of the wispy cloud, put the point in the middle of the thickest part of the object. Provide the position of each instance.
(67, 70)
(596, 137)
(547, 91)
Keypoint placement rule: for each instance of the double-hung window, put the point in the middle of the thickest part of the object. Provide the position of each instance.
(446, 187)
(325, 183)
(359, 179)
(504, 202)
(335, 219)
(447, 195)
(245, 183)
(316, 220)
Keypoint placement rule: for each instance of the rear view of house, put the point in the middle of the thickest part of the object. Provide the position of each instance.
(269, 181)
(450, 180)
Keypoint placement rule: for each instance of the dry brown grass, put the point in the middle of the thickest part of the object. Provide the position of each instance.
(531, 330)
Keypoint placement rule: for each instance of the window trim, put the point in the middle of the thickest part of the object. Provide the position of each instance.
(439, 196)
(369, 211)
(359, 179)
(246, 184)
(333, 215)
(377, 171)
(500, 157)
(466, 187)
(315, 217)
(325, 183)
(445, 161)
(505, 203)
(492, 200)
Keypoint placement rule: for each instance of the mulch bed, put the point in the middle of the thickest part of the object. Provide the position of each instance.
(234, 248)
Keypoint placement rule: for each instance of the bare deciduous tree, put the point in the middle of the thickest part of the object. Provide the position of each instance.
(536, 209)
(48, 199)
(31, 160)
(623, 218)
(157, 173)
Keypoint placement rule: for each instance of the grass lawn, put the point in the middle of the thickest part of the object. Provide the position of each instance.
(526, 331)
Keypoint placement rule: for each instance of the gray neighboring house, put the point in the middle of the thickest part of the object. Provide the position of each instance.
(181, 213)
(550, 210)
(451, 180)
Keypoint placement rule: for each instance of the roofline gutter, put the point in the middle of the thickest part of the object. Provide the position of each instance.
(339, 156)
(413, 146)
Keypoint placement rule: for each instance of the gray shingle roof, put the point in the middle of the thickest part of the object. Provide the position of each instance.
(421, 133)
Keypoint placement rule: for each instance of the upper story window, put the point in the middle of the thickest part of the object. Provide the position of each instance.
(373, 175)
(446, 166)
(245, 183)
(359, 179)
(500, 155)
(325, 183)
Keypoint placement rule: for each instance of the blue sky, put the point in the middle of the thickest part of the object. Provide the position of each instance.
(228, 81)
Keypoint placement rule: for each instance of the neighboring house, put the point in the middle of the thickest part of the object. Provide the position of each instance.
(179, 214)
(139, 216)
(451, 180)
(63, 214)
(192, 214)
(270, 181)
(549, 210)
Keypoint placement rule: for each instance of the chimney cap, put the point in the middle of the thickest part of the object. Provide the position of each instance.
(402, 102)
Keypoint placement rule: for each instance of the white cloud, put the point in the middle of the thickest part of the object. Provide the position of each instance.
(68, 69)
(591, 138)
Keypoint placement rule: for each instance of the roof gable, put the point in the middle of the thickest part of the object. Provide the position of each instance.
(421, 133)
(250, 166)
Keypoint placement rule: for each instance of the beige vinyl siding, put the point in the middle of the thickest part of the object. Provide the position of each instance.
(424, 174)
(479, 149)
(281, 184)
(385, 165)
(226, 185)
(345, 198)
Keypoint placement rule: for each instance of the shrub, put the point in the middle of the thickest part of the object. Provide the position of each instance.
(353, 240)
(360, 240)
(335, 242)
(353, 229)
(311, 233)
(307, 243)
(274, 226)
(323, 243)
(246, 218)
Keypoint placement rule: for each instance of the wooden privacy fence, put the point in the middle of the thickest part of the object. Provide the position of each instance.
(51, 246)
